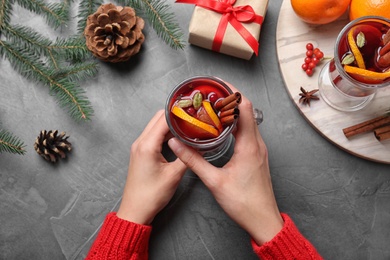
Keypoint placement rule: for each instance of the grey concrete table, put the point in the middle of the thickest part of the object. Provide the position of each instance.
(341, 203)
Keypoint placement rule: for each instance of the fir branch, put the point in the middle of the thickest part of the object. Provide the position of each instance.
(72, 98)
(56, 14)
(136, 4)
(161, 19)
(10, 143)
(27, 38)
(68, 94)
(5, 13)
(77, 72)
(86, 8)
(71, 49)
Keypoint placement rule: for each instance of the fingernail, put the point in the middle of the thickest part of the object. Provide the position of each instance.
(174, 144)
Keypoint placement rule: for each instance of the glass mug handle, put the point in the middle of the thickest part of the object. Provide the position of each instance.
(258, 116)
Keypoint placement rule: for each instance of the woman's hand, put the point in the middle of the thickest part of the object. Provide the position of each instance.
(243, 186)
(151, 180)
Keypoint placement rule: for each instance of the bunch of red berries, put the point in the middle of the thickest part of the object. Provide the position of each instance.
(313, 57)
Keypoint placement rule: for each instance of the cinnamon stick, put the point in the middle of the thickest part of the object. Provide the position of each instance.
(228, 120)
(366, 126)
(233, 111)
(386, 38)
(229, 106)
(385, 49)
(382, 133)
(235, 97)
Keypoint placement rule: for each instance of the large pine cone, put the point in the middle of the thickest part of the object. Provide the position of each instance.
(114, 33)
(52, 147)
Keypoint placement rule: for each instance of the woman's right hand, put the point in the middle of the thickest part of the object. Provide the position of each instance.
(243, 186)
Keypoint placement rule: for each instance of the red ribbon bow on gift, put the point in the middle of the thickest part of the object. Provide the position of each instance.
(235, 15)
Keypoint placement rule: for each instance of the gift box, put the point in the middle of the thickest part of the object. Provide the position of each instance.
(227, 26)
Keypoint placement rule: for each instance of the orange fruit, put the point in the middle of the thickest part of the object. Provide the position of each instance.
(192, 127)
(319, 11)
(368, 76)
(359, 8)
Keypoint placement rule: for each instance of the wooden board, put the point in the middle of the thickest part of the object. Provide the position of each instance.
(291, 38)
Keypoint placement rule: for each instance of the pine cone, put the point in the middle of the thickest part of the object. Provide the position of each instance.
(52, 147)
(114, 33)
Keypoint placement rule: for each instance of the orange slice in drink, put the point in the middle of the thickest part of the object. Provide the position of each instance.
(355, 49)
(366, 76)
(207, 114)
(192, 127)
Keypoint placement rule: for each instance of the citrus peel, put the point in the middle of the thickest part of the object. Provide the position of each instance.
(355, 50)
(194, 127)
(213, 116)
(367, 74)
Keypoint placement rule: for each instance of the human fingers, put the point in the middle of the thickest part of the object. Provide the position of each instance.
(250, 109)
(156, 131)
(193, 160)
(246, 127)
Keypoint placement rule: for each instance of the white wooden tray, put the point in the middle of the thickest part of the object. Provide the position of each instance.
(292, 35)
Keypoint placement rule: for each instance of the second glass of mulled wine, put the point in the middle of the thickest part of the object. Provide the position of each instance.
(361, 64)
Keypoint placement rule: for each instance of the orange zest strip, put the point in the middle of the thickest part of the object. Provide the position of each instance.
(179, 112)
(213, 116)
(368, 74)
(355, 50)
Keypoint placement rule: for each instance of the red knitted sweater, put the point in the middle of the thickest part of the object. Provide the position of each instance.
(121, 239)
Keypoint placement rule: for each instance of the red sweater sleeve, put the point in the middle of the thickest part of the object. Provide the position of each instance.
(120, 239)
(289, 243)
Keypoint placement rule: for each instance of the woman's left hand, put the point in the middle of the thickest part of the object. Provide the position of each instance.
(151, 180)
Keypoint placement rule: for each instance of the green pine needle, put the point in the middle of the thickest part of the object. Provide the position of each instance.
(77, 72)
(86, 8)
(68, 93)
(162, 20)
(27, 38)
(5, 12)
(72, 98)
(56, 14)
(10, 143)
(72, 49)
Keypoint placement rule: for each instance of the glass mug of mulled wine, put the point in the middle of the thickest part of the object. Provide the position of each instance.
(360, 66)
(202, 112)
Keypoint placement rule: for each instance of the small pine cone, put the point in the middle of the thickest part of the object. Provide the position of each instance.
(52, 147)
(114, 33)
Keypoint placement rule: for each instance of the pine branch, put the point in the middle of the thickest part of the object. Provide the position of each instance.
(161, 19)
(86, 8)
(69, 95)
(77, 72)
(72, 49)
(27, 38)
(5, 13)
(72, 98)
(10, 143)
(56, 14)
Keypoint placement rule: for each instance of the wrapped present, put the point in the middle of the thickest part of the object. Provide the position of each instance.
(231, 27)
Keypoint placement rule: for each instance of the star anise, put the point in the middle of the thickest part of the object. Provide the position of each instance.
(307, 96)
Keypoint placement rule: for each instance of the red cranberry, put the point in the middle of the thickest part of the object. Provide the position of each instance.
(191, 111)
(213, 97)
